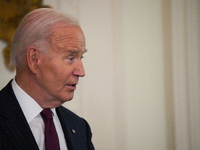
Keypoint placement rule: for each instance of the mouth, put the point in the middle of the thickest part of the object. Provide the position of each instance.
(72, 86)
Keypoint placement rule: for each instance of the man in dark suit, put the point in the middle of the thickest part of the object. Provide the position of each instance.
(47, 51)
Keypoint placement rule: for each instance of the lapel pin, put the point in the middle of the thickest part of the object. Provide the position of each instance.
(73, 131)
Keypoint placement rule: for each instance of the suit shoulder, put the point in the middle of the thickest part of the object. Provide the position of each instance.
(6, 90)
(67, 113)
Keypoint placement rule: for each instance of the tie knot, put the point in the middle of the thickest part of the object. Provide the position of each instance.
(46, 114)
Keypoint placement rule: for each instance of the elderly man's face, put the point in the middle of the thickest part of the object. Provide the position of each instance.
(61, 67)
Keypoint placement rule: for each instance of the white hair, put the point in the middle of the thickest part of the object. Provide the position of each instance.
(35, 30)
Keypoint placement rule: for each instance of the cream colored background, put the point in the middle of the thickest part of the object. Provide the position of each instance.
(141, 90)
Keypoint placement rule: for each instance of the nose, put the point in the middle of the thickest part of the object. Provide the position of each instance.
(79, 69)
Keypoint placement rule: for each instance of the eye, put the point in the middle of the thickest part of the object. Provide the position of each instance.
(71, 58)
(82, 57)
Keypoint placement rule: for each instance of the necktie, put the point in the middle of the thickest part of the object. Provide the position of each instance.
(51, 137)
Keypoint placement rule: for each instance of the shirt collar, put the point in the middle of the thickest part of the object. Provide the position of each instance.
(29, 106)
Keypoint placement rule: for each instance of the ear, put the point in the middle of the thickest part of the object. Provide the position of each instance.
(33, 56)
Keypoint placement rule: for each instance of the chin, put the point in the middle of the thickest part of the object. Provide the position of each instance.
(69, 99)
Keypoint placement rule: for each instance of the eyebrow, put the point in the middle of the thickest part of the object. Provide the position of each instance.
(72, 51)
(76, 51)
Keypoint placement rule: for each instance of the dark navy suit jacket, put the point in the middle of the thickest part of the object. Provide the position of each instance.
(15, 133)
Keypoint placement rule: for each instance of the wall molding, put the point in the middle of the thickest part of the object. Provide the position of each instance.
(186, 73)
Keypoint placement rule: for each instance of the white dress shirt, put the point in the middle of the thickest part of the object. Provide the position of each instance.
(31, 110)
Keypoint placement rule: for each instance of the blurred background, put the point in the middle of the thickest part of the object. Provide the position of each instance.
(142, 85)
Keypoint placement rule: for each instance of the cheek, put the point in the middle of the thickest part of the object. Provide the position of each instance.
(55, 72)
(49, 73)
(60, 74)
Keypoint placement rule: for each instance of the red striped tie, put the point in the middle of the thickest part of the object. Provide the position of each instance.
(51, 137)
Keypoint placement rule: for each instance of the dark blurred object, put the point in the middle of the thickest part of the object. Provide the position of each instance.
(11, 13)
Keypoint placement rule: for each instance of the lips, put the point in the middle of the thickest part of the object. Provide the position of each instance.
(71, 86)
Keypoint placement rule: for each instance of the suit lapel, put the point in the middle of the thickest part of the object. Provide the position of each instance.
(71, 130)
(13, 121)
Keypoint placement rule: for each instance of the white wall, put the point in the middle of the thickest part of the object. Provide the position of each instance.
(126, 95)
(144, 75)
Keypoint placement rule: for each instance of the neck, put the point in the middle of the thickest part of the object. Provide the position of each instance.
(27, 81)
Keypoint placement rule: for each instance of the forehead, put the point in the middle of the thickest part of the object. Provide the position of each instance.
(68, 38)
